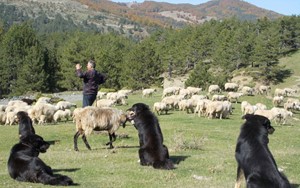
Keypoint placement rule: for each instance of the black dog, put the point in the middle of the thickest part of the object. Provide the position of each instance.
(25, 124)
(152, 151)
(25, 165)
(254, 157)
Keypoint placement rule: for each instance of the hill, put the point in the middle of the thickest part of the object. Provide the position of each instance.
(130, 19)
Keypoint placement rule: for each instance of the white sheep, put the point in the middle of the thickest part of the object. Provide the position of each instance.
(243, 104)
(199, 97)
(201, 107)
(2, 117)
(159, 107)
(186, 104)
(170, 91)
(216, 109)
(277, 100)
(283, 115)
(43, 100)
(105, 103)
(231, 86)
(246, 90)
(264, 90)
(148, 92)
(62, 114)
(100, 94)
(172, 101)
(61, 105)
(194, 90)
(45, 109)
(290, 91)
(214, 89)
(185, 92)
(280, 92)
(218, 98)
(100, 119)
(250, 109)
(261, 106)
(234, 96)
(11, 118)
(270, 114)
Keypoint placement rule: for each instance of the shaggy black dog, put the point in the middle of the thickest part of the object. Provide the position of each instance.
(254, 157)
(152, 151)
(25, 165)
(25, 124)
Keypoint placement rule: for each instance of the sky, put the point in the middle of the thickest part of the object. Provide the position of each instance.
(285, 7)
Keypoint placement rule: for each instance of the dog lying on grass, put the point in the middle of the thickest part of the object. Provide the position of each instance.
(25, 165)
(254, 158)
(152, 151)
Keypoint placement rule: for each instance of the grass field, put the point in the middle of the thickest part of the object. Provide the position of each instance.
(202, 149)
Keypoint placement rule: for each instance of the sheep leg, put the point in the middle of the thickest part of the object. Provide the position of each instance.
(86, 142)
(112, 138)
(75, 140)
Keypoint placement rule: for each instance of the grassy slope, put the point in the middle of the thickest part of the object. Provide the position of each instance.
(203, 150)
(293, 63)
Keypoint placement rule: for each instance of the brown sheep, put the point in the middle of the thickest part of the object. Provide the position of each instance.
(99, 119)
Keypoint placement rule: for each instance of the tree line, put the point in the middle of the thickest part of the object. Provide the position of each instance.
(210, 53)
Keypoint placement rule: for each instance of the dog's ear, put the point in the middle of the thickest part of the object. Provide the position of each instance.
(247, 116)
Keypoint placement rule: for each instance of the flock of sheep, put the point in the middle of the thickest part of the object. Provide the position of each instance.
(214, 104)
(217, 104)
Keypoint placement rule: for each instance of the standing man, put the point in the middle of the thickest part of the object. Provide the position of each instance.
(91, 81)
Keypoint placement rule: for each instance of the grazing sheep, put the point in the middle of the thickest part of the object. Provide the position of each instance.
(61, 105)
(185, 93)
(264, 90)
(283, 115)
(159, 107)
(280, 92)
(148, 92)
(171, 101)
(290, 91)
(261, 106)
(277, 100)
(199, 97)
(43, 100)
(99, 119)
(270, 114)
(201, 107)
(170, 91)
(234, 96)
(216, 109)
(45, 109)
(186, 104)
(246, 90)
(243, 104)
(11, 118)
(2, 117)
(194, 90)
(101, 94)
(62, 114)
(214, 89)
(231, 86)
(105, 103)
(219, 98)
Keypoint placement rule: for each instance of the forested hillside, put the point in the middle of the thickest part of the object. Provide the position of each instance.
(210, 53)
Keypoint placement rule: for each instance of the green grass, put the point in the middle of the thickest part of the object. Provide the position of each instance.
(203, 150)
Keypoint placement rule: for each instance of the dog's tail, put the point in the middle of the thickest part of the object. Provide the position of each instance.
(166, 164)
